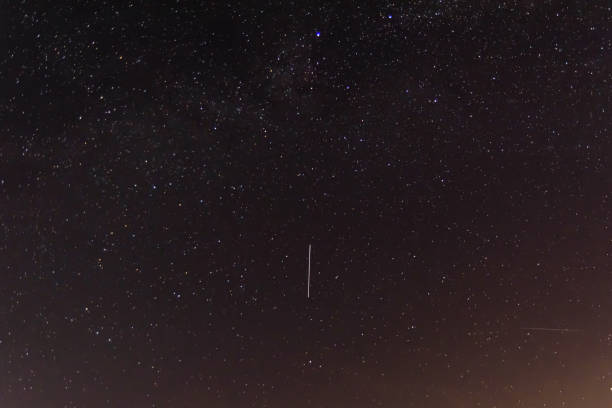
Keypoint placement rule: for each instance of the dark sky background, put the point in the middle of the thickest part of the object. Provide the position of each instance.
(165, 165)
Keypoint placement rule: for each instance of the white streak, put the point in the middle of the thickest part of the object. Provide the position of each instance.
(308, 291)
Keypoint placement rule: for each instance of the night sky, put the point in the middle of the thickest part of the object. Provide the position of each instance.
(164, 166)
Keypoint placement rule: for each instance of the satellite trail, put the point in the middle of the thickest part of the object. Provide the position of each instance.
(550, 329)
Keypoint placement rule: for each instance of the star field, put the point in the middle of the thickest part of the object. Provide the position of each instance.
(165, 165)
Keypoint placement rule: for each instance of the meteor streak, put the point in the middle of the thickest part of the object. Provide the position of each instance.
(308, 290)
